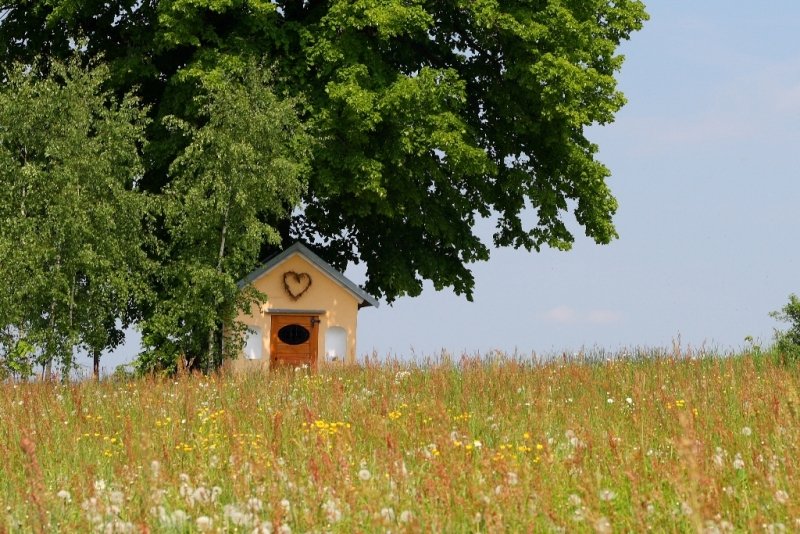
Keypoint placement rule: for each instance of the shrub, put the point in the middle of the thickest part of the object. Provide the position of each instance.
(787, 343)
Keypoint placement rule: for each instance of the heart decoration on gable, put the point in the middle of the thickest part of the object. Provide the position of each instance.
(296, 284)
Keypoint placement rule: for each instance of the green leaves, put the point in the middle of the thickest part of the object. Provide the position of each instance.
(240, 173)
(70, 220)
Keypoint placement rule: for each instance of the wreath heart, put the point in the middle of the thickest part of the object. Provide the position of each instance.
(296, 284)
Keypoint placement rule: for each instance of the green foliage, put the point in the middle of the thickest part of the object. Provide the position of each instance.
(428, 114)
(245, 166)
(70, 218)
(787, 343)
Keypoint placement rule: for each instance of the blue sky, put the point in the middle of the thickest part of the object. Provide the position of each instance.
(705, 159)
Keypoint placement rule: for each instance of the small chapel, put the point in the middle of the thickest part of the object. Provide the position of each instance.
(310, 315)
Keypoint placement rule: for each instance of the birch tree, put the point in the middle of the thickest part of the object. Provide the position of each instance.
(70, 213)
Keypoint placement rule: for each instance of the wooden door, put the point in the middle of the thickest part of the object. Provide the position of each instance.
(293, 341)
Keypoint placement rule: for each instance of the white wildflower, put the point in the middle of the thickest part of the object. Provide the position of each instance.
(738, 463)
(332, 512)
(607, 495)
(602, 525)
(286, 505)
(65, 496)
(512, 479)
(155, 468)
(781, 497)
(387, 514)
(364, 474)
(747, 431)
(686, 509)
(254, 504)
(99, 486)
(284, 529)
(406, 516)
(719, 457)
(575, 500)
(204, 523)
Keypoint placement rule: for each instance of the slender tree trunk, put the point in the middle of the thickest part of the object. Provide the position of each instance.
(210, 358)
(96, 364)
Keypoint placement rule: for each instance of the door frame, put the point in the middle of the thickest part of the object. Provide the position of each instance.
(309, 319)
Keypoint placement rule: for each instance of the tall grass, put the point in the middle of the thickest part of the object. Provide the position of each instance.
(458, 445)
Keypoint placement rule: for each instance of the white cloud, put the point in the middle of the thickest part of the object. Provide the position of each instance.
(561, 314)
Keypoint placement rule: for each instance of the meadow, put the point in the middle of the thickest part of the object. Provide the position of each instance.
(661, 442)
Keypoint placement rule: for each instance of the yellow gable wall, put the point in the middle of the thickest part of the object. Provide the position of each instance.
(339, 307)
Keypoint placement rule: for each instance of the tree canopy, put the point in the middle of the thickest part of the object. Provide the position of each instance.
(429, 113)
(71, 237)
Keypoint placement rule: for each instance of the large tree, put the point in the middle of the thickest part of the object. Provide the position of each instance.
(429, 114)
(70, 215)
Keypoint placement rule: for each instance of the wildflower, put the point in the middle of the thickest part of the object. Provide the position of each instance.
(602, 525)
(719, 457)
(286, 505)
(575, 500)
(284, 529)
(477, 444)
(686, 509)
(781, 497)
(579, 515)
(65, 496)
(607, 495)
(406, 516)
(629, 400)
(747, 431)
(155, 468)
(204, 523)
(332, 511)
(512, 478)
(738, 463)
(610, 400)
(387, 514)
(99, 486)
(364, 474)
(254, 504)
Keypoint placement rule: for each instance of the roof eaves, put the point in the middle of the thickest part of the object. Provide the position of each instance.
(299, 248)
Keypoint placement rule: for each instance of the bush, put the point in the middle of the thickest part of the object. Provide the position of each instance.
(787, 343)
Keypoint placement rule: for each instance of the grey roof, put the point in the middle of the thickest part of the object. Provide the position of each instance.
(299, 248)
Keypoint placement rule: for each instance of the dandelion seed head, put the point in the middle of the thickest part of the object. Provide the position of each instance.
(602, 525)
(204, 523)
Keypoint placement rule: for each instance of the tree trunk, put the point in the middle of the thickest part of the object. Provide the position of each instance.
(210, 358)
(96, 364)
